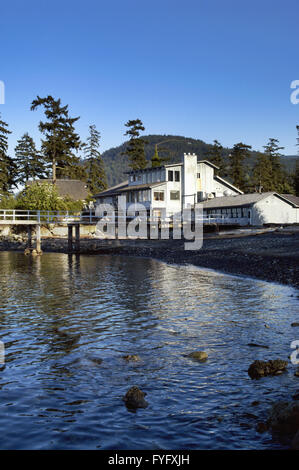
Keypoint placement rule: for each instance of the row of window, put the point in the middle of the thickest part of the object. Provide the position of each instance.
(148, 177)
(159, 195)
(233, 212)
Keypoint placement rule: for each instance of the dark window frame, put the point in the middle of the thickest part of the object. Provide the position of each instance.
(170, 175)
(174, 198)
(159, 197)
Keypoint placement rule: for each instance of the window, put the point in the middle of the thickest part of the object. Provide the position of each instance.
(174, 195)
(170, 175)
(198, 176)
(159, 196)
(177, 176)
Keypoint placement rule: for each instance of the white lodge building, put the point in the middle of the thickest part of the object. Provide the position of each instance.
(181, 185)
(171, 187)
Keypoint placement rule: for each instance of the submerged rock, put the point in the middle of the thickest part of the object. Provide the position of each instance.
(261, 368)
(255, 345)
(132, 358)
(261, 427)
(284, 418)
(198, 355)
(297, 373)
(295, 324)
(134, 398)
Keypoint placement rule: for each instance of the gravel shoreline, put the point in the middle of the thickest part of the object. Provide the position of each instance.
(271, 256)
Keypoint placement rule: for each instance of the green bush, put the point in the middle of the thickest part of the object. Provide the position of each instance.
(44, 197)
(8, 202)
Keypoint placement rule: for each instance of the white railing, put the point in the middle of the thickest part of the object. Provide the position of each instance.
(89, 217)
(46, 217)
(223, 219)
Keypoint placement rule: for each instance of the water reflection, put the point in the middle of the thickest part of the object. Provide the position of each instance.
(67, 321)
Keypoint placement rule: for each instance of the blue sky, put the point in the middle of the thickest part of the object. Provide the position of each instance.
(216, 69)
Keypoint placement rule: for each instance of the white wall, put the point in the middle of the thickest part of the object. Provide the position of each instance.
(220, 188)
(273, 210)
(189, 182)
(206, 182)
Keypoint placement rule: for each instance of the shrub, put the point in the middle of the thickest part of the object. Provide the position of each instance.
(8, 202)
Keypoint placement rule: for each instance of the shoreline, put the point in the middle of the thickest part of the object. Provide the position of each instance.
(269, 256)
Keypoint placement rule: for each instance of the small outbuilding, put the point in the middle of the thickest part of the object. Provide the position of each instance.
(254, 209)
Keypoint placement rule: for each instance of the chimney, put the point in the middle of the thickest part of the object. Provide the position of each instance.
(190, 180)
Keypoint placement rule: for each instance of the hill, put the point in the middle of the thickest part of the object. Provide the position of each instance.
(116, 164)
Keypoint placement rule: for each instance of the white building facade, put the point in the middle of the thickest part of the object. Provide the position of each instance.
(168, 189)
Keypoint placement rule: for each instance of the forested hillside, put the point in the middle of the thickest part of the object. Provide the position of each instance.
(116, 163)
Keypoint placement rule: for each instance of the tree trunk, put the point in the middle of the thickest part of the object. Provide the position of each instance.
(54, 172)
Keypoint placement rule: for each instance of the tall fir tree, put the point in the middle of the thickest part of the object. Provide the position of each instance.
(237, 168)
(96, 175)
(156, 160)
(8, 171)
(29, 162)
(278, 174)
(296, 179)
(262, 174)
(61, 140)
(135, 149)
(214, 155)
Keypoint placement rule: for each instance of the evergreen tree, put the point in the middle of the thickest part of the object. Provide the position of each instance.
(135, 148)
(237, 169)
(96, 175)
(60, 136)
(7, 165)
(214, 155)
(156, 160)
(262, 174)
(296, 179)
(278, 173)
(29, 163)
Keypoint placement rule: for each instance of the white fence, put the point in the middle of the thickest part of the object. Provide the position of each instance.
(45, 217)
(88, 217)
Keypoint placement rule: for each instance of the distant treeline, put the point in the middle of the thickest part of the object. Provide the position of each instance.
(62, 154)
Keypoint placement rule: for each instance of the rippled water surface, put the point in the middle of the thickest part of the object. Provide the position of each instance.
(60, 314)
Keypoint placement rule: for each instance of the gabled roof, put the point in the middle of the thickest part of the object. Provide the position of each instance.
(240, 200)
(113, 190)
(292, 198)
(136, 187)
(124, 187)
(226, 183)
(209, 163)
(75, 189)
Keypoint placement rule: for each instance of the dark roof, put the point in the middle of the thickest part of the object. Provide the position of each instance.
(292, 198)
(136, 187)
(240, 200)
(113, 190)
(75, 189)
(124, 187)
(168, 165)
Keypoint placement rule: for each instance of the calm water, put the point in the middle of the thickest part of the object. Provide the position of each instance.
(59, 314)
